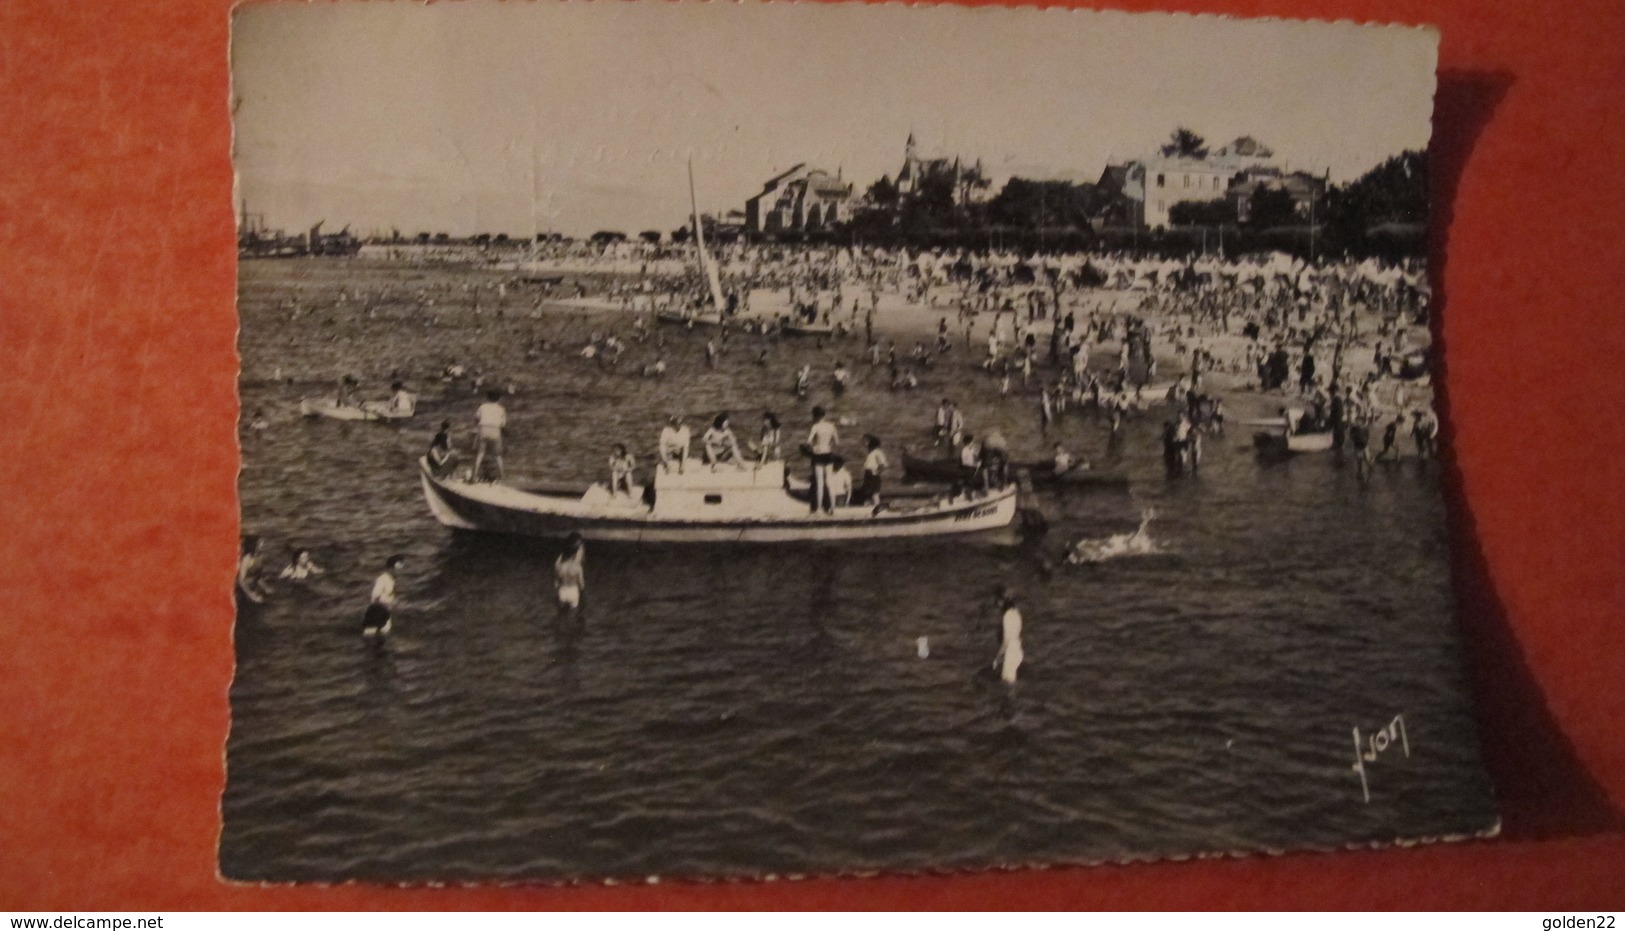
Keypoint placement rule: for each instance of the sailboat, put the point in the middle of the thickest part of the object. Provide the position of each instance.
(717, 314)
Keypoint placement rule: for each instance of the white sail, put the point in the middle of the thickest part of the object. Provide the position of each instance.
(707, 267)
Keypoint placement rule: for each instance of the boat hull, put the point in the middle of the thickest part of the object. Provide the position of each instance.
(1269, 441)
(371, 410)
(494, 508)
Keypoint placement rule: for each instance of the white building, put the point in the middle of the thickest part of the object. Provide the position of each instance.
(1158, 182)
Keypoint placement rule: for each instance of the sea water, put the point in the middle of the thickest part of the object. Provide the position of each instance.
(730, 710)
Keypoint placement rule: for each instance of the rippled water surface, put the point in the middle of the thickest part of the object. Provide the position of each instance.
(734, 710)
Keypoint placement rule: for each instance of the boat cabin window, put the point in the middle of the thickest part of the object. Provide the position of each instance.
(713, 499)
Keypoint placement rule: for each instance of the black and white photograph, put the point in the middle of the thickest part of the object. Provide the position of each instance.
(690, 441)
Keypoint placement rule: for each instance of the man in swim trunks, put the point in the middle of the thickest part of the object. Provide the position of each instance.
(491, 418)
(821, 441)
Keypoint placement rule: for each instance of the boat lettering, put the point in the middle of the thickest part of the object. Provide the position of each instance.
(972, 515)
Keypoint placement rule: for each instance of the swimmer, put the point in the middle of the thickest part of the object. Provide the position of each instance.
(302, 567)
(570, 574)
(1063, 461)
(249, 583)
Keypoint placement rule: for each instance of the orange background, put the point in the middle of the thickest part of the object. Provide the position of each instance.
(118, 510)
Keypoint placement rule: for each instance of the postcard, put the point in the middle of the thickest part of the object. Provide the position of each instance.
(702, 440)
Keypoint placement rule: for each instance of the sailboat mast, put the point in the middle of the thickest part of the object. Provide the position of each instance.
(694, 204)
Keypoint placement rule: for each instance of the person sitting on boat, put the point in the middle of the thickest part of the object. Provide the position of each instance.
(621, 466)
(1291, 416)
(995, 461)
(875, 464)
(674, 441)
(719, 445)
(302, 567)
(840, 483)
(441, 457)
(402, 403)
(820, 447)
(491, 418)
(767, 448)
(347, 386)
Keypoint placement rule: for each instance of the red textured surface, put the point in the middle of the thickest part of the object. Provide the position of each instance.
(118, 518)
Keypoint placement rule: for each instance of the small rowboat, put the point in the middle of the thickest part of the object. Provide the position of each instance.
(690, 320)
(807, 329)
(368, 410)
(1042, 473)
(1317, 442)
(725, 505)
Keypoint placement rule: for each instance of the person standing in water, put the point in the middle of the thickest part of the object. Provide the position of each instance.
(378, 621)
(570, 574)
(250, 585)
(1008, 660)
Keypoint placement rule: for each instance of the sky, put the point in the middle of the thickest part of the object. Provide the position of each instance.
(572, 117)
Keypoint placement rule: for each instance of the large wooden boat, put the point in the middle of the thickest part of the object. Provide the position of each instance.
(726, 504)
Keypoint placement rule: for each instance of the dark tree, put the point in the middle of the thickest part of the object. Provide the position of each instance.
(607, 236)
(1185, 144)
(1203, 213)
(652, 237)
(1035, 205)
(883, 193)
(1395, 191)
(1272, 207)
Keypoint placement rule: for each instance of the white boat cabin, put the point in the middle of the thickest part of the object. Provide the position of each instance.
(724, 491)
